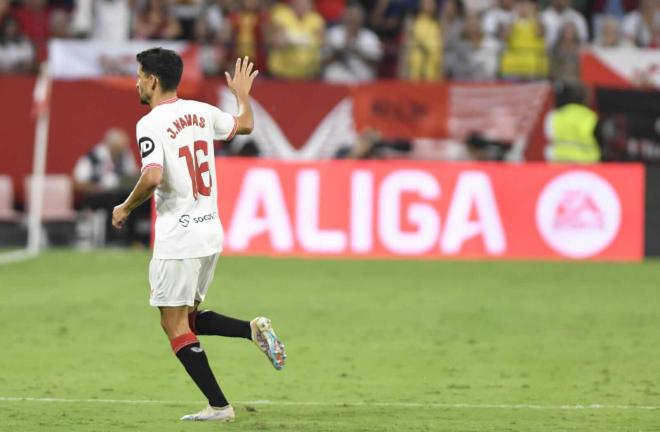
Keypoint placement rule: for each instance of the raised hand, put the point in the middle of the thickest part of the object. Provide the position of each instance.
(241, 83)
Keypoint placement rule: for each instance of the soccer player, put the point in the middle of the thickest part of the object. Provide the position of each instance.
(178, 166)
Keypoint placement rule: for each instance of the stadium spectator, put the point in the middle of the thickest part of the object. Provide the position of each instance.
(33, 17)
(610, 11)
(386, 19)
(60, 24)
(451, 25)
(386, 16)
(109, 165)
(16, 51)
(451, 21)
(565, 56)
(155, 21)
(104, 175)
(108, 20)
(608, 32)
(244, 32)
(571, 128)
(186, 12)
(422, 45)
(641, 27)
(212, 54)
(556, 15)
(497, 19)
(216, 13)
(295, 39)
(524, 56)
(352, 51)
(332, 11)
(476, 54)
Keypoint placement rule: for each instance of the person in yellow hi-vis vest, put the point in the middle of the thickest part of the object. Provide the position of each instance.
(422, 56)
(525, 56)
(571, 129)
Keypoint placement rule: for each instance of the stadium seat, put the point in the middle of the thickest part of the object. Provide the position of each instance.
(12, 231)
(7, 212)
(59, 218)
(58, 198)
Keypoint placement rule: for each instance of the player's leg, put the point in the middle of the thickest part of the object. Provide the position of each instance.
(173, 285)
(187, 348)
(207, 322)
(259, 330)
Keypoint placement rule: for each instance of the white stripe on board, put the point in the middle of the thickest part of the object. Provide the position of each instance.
(348, 404)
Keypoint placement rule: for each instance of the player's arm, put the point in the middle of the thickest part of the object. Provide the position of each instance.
(241, 84)
(143, 190)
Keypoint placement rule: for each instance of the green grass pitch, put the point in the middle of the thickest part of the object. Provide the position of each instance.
(372, 345)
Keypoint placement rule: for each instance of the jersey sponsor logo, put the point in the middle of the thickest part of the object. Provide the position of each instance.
(184, 220)
(204, 218)
(578, 214)
(146, 146)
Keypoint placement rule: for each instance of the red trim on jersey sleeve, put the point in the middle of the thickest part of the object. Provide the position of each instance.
(233, 131)
(151, 165)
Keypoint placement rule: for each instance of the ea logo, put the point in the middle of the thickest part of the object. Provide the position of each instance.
(578, 214)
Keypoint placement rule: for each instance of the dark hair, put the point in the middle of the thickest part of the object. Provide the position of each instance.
(569, 93)
(165, 64)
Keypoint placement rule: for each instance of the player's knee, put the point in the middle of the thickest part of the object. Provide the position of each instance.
(174, 327)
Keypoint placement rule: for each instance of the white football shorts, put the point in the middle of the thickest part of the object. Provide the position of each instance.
(178, 282)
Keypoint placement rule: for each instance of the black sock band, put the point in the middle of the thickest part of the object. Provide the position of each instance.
(194, 359)
(211, 323)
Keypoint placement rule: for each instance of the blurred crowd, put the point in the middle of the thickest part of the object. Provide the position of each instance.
(346, 40)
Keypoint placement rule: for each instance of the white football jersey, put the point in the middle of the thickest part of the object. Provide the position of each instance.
(178, 135)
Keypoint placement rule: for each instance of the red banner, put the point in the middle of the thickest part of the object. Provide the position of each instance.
(431, 210)
(402, 110)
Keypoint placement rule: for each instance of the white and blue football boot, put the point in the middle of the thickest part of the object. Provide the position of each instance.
(265, 338)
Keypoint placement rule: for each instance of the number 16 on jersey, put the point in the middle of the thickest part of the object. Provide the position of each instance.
(197, 169)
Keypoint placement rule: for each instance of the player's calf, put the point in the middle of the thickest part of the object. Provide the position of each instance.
(188, 350)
